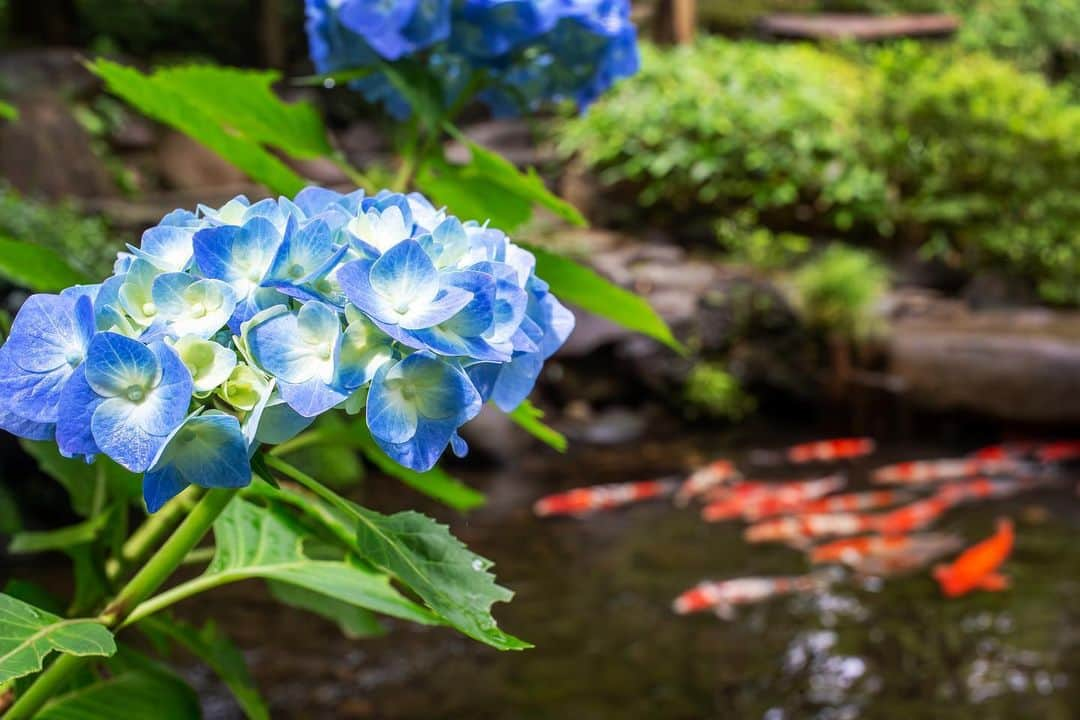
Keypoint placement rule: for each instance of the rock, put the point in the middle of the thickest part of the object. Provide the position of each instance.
(56, 71)
(185, 164)
(134, 133)
(47, 153)
(1013, 364)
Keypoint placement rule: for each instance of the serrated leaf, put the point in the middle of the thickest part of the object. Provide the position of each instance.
(160, 101)
(583, 287)
(434, 483)
(214, 648)
(355, 622)
(451, 579)
(252, 541)
(80, 479)
(28, 635)
(530, 419)
(8, 111)
(243, 101)
(128, 695)
(36, 268)
(60, 539)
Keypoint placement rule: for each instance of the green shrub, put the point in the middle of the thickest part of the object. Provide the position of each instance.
(86, 242)
(1036, 35)
(839, 290)
(985, 160)
(722, 125)
(711, 390)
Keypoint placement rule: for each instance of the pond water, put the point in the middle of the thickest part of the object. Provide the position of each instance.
(594, 595)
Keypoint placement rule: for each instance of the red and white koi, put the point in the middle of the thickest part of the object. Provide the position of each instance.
(831, 450)
(1055, 452)
(582, 501)
(1005, 451)
(722, 597)
(910, 517)
(773, 498)
(987, 489)
(886, 554)
(924, 472)
(799, 529)
(850, 502)
(716, 473)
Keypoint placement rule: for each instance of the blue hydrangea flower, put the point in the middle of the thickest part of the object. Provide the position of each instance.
(517, 55)
(235, 327)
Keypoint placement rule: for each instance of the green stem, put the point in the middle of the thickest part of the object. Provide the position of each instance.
(355, 176)
(152, 575)
(301, 441)
(309, 482)
(150, 534)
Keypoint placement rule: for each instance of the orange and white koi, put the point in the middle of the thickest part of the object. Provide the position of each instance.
(831, 450)
(722, 597)
(856, 552)
(773, 498)
(987, 489)
(850, 502)
(1055, 452)
(582, 501)
(977, 567)
(903, 562)
(716, 473)
(799, 529)
(910, 517)
(924, 472)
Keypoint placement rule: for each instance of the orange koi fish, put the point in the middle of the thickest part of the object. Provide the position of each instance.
(1055, 452)
(799, 529)
(923, 472)
(986, 489)
(830, 450)
(722, 597)
(851, 502)
(582, 501)
(716, 473)
(910, 517)
(1005, 451)
(772, 498)
(857, 552)
(976, 568)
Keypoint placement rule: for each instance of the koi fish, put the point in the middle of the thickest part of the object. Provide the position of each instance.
(1055, 452)
(716, 473)
(910, 517)
(722, 597)
(924, 472)
(831, 450)
(976, 568)
(799, 529)
(582, 501)
(851, 502)
(986, 489)
(886, 554)
(772, 498)
(1005, 451)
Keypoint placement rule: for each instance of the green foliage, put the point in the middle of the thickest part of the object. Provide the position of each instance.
(1036, 35)
(8, 111)
(724, 125)
(748, 243)
(581, 286)
(91, 486)
(169, 97)
(452, 580)
(354, 622)
(839, 290)
(530, 419)
(60, 539)
(134, 694)
(28, 635)
(85, 243)
(986, 160)
(711, 390)
(36, 268)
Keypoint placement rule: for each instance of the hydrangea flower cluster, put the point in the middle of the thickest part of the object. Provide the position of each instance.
(233, 327)
(520, 53)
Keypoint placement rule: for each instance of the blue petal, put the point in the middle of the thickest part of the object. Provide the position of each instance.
(405, 274)
(391, 417)
(50, 332)
(207, 450)
(279, 423)
(311, 398)
(424, 449)
(516, 380)
(313, 200)
(161, 486)
(78, 401)
(32, 396)
(21, 427)
(115, 363)
(293, 350)
(355, 279)
(169, 248)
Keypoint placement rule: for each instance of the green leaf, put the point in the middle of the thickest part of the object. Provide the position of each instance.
(434, 483)
(161, 101)
(8, 111)
(61, 539)
(355, 622)
(419, 88)
(10, 519)
(243, 101)
(128, 695)
(215, 649)
(36, 268)
(81, 480)
(451, 579)
(253, 541)
(529, 418)
(34, 594)
(583, 287)
(28, 635)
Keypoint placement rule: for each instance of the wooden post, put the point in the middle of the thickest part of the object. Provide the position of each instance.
(683, 20)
